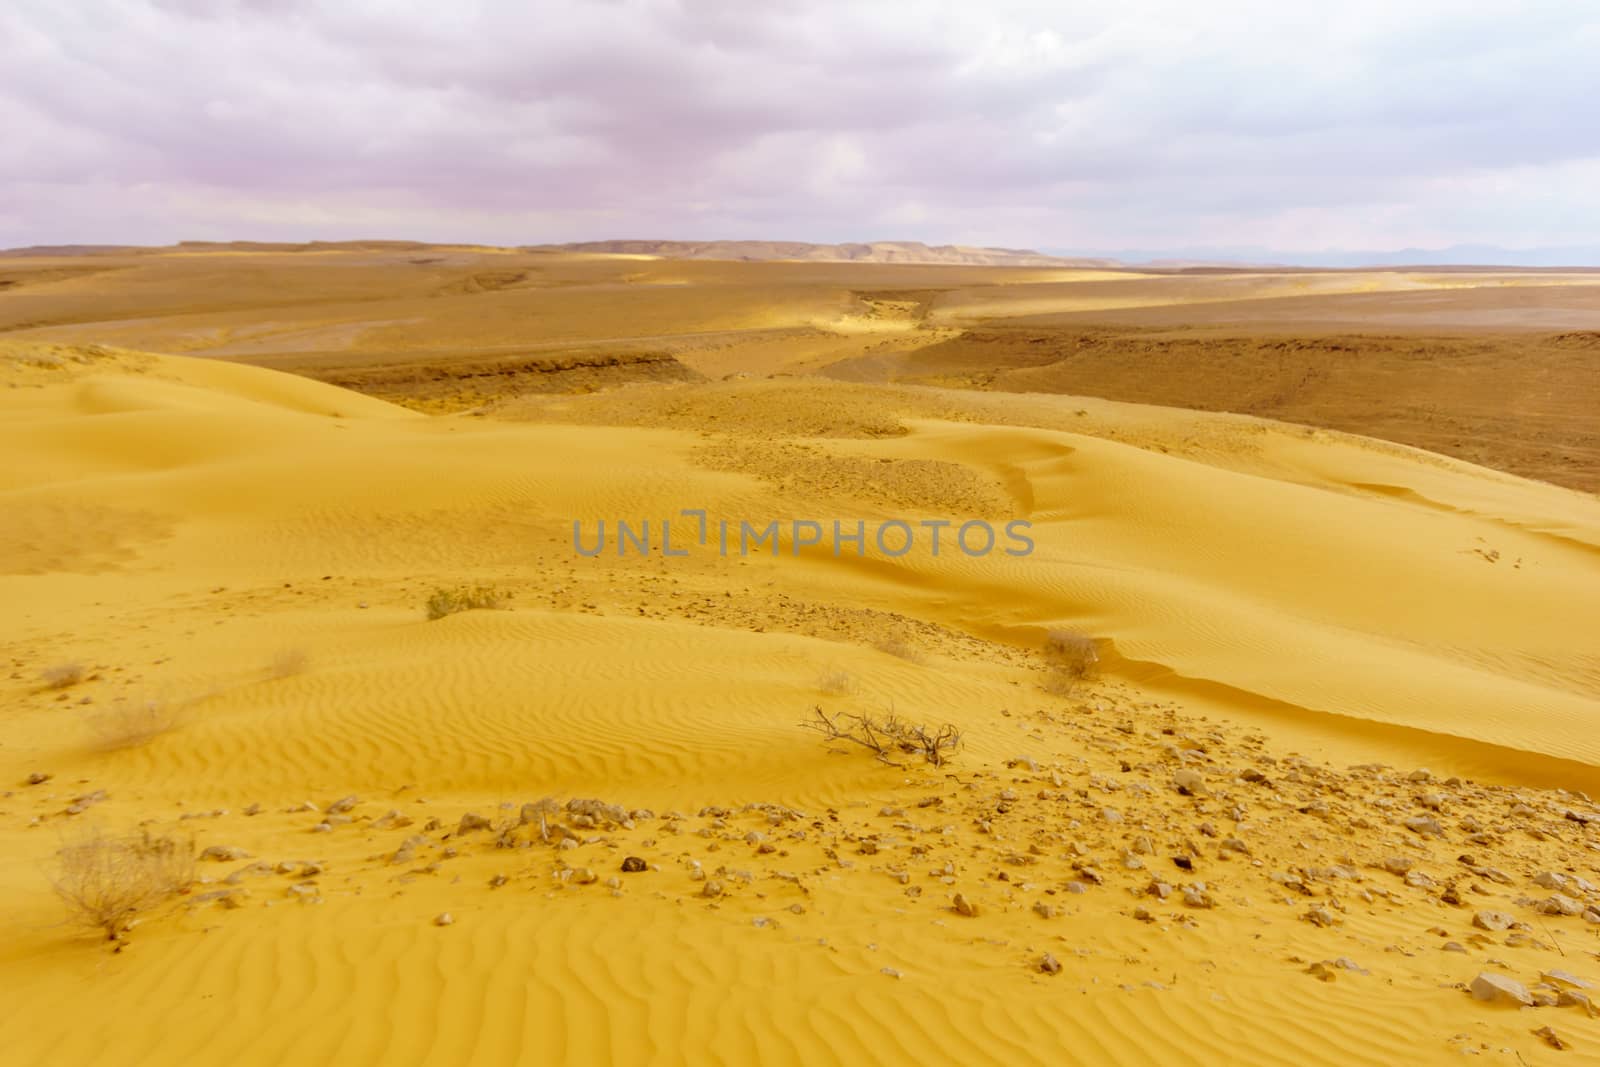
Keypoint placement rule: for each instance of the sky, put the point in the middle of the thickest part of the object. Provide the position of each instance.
(1327, 127)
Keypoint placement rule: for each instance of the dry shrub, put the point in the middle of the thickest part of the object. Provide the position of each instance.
(900, 649)
(1072, 658)
(107, 882)
(887, 735)
(63, 675)
(130, 723)
(444, 602)
(838, 683)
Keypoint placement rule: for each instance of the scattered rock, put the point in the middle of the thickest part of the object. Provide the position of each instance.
(1049, 964)
(1563, 978)
(1551, 1038)
(1189, 782)
(962, 906)
(224, 854)
(444, 918)
(1498, 989)
(633, 864)
(1559, 904)
(1492, 921)
(472, 821)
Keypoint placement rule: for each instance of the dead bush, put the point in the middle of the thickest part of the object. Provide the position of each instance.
(107, 882)
(888, 735)
(838, 683)
(1072, 658)
(900, 649)
(130, 723)
(63, 675)
(444, 602)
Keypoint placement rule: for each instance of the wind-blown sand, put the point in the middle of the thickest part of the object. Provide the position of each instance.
(1304, 619)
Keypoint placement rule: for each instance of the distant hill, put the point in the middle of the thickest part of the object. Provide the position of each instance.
(1462, 256)
(870, 252)
(68, 250)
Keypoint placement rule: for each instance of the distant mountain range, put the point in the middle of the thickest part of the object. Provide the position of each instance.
(1228, 258)
(1453, 256)
(869, 252)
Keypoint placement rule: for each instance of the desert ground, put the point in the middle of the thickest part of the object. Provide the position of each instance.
(1280, 746)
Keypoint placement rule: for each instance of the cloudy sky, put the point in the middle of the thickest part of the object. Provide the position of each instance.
(1060, 124)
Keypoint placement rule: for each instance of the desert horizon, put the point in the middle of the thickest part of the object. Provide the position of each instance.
(1144, 612)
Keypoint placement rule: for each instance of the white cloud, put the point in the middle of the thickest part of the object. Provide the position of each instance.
(1356, 125)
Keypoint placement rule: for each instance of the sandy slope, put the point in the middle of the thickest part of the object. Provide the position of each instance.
(254, 550)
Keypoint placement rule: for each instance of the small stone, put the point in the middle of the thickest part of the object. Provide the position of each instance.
(224, 853)
(1493, 921)
(1563, 978)
(1189, 782)
(1498, 989)
(1551, 1038)
(962, 906)
(1559, 904)
(343, 804)
(1049, 964)
(585, 876)
(444, 918)
(38, 778)
(712, 888)
(1398, 864)
(1571, 997)
(1321, 916)
(472, 821)
(1426, 825)
(633, 865)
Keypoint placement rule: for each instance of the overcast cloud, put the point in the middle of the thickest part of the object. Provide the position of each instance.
(1064, 125)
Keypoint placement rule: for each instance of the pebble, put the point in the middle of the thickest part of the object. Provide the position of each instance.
(444, 918)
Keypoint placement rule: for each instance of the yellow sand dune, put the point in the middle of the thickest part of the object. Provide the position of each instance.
(252, 553)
